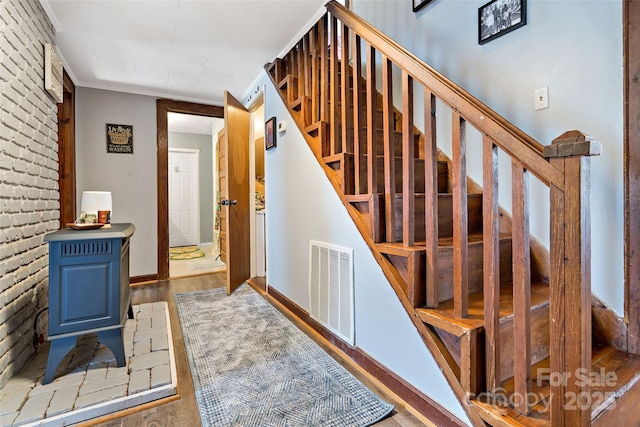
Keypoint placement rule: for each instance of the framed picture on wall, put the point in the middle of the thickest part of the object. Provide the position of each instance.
(270, 133)
(419, 4)
(499, 17)
(119, 138)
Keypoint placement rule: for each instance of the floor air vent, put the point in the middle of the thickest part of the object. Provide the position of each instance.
(331, 289)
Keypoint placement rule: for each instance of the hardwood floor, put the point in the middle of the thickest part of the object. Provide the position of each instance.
(183, 411)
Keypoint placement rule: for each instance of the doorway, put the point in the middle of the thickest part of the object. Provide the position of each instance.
(163, 107)
(193, 243)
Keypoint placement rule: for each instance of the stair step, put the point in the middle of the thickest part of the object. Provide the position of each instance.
(445, 214)
(444, 317)
(411, 264)
(347, 161)
(613, 397)
(457, 333)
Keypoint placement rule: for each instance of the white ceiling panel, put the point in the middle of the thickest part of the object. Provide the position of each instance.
(192, 50)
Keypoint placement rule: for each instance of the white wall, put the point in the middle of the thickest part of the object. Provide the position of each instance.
(131, 178)
(574, 48)
(302, 205)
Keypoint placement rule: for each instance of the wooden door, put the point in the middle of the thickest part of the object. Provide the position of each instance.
(236, 205)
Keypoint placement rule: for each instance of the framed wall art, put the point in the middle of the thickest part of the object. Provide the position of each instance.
(499, 17)
(270, 133)
(419, 4)
(119, 138)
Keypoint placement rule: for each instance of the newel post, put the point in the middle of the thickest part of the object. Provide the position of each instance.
(570, 279)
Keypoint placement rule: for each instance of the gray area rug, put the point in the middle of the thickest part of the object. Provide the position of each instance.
(252, 367)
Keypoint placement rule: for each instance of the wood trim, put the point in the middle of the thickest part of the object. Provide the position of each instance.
(67, 152)
(632, 172)
(164, 106)
(138, 280)
(417, 400)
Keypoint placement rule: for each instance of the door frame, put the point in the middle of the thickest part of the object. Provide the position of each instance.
(195, 152)
(163, 107)
(67, 152)
(258, 101)
(631, 42)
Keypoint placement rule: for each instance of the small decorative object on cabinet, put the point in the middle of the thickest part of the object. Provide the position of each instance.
(88, 289)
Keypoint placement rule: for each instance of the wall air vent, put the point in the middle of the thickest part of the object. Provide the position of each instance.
(331, 289)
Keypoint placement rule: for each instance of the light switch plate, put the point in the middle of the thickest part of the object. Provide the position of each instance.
(541, 99)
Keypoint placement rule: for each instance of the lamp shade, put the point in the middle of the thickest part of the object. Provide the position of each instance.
(94, 201)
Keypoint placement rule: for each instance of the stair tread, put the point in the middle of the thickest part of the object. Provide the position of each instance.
(335, 157)
(444, 318)
(613, 373)
(398, 248)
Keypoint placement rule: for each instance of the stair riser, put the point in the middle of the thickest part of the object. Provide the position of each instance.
(344, 165)
(445, 215)
(474, 269)
(539, 341)
(418, 176)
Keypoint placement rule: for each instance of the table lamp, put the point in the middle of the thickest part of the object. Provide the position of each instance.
(98, 204)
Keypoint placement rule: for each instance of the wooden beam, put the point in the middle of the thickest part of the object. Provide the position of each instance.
(358, 116)
(323, 39)
(632, 172)
(431, 198)
(408, 177)
(491, 263)
(521, 288)
(334, 92)
(570, 302)
(348, 108)
(388, 128)
(372, 125)
(460, 217)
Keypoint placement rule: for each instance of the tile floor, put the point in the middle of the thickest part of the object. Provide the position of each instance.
(88, 383)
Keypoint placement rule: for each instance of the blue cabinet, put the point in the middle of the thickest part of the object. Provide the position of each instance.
(88, 289)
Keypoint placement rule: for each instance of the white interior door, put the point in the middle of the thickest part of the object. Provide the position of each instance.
(184, 199)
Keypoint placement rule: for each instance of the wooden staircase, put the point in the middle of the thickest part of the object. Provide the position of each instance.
(503, 317)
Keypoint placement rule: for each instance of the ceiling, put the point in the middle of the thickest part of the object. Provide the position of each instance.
(190, 50)
(189, 123)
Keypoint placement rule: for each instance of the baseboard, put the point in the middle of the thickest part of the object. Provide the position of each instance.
(420, 402)
(143, 279)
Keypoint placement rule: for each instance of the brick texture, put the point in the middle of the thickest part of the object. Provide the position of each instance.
(29, 206)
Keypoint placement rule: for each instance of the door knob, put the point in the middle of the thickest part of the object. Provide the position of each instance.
(227, 202)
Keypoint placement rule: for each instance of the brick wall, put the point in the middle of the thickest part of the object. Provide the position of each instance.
(29, 205)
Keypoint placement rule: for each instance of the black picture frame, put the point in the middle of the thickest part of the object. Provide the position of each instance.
(499, 17)
(119, 138)
(419, 4)
(270, 134)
